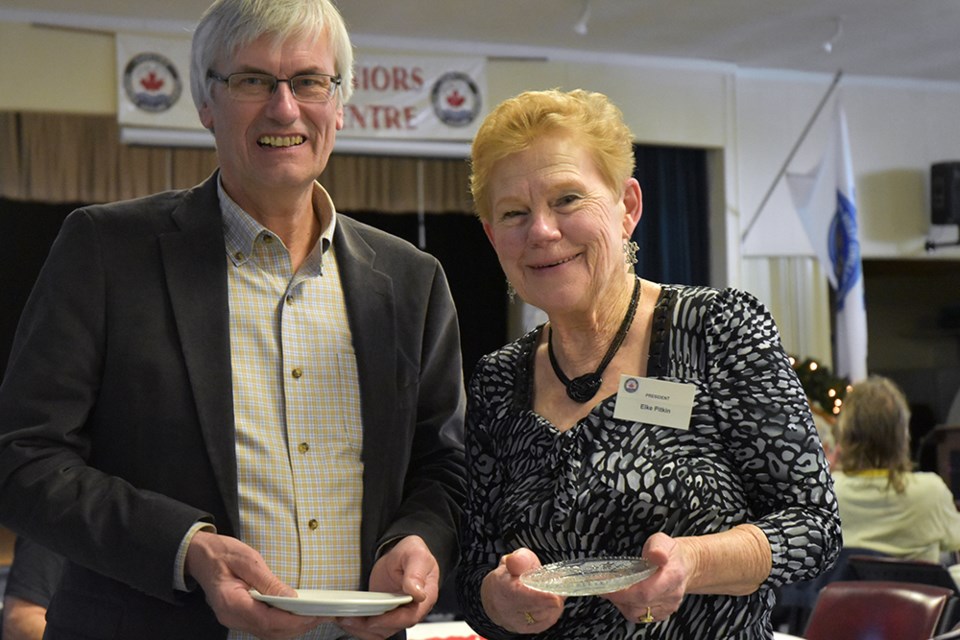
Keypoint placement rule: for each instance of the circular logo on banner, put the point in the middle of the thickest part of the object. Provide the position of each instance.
(151, 82)
(456, 99)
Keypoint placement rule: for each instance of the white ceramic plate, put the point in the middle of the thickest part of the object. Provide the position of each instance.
(325, 602)
(588, 576)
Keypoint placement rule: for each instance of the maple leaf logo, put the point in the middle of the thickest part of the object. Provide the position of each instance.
(151, 81)
(455, 99)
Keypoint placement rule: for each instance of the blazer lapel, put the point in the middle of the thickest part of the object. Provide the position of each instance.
(370, 302)
(195, 264)
(369, 298)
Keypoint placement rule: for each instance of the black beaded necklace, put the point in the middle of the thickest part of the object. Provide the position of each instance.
(584, 387)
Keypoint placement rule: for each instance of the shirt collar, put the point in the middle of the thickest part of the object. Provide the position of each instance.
(240, 230)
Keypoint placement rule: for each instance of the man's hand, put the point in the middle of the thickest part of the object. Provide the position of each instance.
(409, 568)
(226, 569)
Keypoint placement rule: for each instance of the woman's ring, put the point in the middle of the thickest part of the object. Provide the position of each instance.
(647, 618)
(529, 617)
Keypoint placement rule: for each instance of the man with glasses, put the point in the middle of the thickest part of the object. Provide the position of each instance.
(234, 391)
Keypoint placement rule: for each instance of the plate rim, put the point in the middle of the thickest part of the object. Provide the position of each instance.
(360, 604)
(643, 574)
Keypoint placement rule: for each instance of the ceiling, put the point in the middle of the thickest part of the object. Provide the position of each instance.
(914, 39)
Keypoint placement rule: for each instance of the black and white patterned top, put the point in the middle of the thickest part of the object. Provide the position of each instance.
(751, 455)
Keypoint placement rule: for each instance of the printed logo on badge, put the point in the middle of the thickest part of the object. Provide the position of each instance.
(653, 401)
(455, 99)
(151, 82)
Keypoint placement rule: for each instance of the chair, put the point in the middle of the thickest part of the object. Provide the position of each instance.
(903, 570)
(900, 570)
(878, 610)
(795, 601)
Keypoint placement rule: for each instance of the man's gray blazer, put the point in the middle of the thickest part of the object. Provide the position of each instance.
(116, 412)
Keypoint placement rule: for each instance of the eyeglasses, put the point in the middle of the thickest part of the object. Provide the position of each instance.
(258, 87)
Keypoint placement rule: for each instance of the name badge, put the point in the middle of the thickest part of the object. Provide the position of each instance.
(653, 401)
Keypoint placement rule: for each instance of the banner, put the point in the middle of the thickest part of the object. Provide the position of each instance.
(418, 98)
(153, 82)
(412, 98)
(825, 200)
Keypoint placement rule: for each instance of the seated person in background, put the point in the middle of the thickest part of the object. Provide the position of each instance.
(33, 578)
(884, 504)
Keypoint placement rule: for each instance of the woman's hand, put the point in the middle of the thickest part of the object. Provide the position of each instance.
(513, 606)
(734, 562)
(660, 595)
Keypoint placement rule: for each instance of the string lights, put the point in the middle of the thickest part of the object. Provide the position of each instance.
(820, 384)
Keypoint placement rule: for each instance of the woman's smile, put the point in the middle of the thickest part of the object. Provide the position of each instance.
(555, 263)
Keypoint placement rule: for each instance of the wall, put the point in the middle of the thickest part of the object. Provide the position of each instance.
(749, 118)
(51, 69)
(897, 129)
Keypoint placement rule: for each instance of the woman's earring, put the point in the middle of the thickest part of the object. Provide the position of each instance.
(511, 292)
(630, 249)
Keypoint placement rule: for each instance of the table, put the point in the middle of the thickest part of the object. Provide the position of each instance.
(442, 631)
(462, 631)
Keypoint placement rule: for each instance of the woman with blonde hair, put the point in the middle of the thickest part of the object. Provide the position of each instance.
(643, 419)
(885, 506)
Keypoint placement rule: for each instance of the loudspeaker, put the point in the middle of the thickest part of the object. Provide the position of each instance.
(945, 193)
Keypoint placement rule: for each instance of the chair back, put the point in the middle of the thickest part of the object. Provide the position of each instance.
(877, 610)
(795, 601)
(900, 570)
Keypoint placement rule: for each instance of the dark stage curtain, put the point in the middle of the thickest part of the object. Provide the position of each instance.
(476, 281)
(455, 239)
(33, 226)
(673, 235)
(674, 232)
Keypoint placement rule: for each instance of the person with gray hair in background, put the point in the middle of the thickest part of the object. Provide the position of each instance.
(234, 388)
(885, 505)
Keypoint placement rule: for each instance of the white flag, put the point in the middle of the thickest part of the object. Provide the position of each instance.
(826, 203)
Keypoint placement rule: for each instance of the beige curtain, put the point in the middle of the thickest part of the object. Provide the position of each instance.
(66, 158)
(797, 293)
(10, 170)
(397, 185)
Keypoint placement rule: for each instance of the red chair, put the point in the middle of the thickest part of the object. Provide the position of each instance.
(864, 567)
(878, 610)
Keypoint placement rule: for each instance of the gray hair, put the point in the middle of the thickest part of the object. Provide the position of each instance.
(228, 25)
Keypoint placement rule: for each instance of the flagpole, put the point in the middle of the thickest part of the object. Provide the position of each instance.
(793, 152)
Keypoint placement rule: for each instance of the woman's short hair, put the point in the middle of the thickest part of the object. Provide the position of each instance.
(515, 124)
(228, 25)
(874, 430)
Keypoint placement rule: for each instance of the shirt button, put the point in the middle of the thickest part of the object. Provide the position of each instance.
(238, 256)
(313, 524)
(267, 239)
(290, 298)
(297, 373)
(303, 447)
